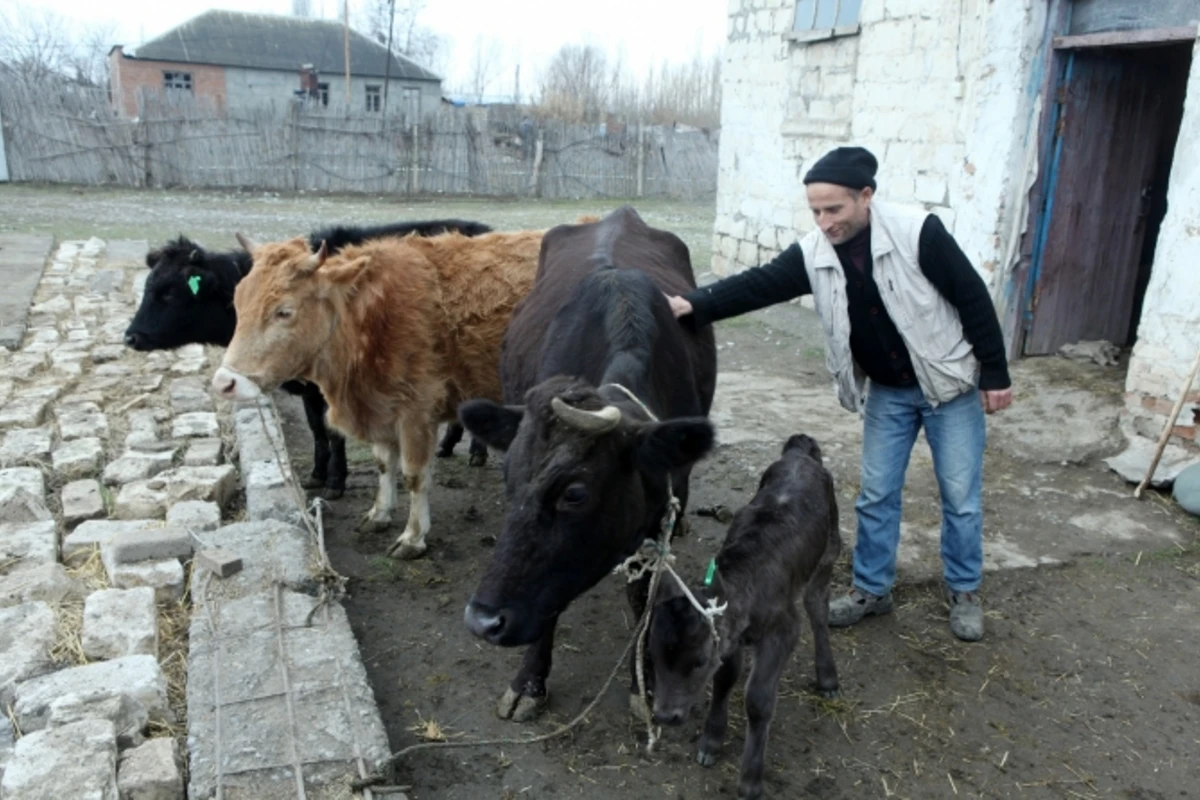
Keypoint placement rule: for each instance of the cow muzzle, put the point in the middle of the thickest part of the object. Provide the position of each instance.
(233, 385)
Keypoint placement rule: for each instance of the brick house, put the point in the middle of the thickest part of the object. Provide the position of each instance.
(1045, 133)
(240, 61)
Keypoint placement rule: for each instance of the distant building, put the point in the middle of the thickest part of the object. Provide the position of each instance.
(239, 61)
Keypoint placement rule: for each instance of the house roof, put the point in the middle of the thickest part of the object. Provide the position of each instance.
(268, 41)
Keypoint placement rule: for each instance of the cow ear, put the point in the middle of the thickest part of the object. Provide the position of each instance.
(673, 444)
(344, 274)
(153, 257)
(493, 424)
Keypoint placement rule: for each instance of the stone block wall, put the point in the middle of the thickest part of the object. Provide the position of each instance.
(940, 90)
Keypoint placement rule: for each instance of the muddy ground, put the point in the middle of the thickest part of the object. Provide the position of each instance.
(1087, 684)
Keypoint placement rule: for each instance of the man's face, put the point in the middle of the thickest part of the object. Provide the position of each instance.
(839, 212)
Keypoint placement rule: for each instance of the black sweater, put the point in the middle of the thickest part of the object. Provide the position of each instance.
(942, 262)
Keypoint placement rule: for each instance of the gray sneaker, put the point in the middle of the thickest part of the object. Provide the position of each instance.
(966, 615)
(851, 608)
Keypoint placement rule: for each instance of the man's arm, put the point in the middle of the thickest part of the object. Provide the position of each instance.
(777, 281)
(947, 267)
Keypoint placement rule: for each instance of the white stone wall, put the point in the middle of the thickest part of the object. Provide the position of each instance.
(941, 91)
(1169, 332)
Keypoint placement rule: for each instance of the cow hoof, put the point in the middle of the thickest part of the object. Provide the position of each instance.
(639, 708)
(445, 453)
(707, 756)
(406, 551)
(369, 525)
(313, 482)
(520, 708)
(828, 694)
(332, 493)
(477, 459)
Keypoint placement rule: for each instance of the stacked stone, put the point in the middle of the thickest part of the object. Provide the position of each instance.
(126, 449)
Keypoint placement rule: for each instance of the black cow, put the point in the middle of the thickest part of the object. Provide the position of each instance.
(188, 299)
(586, 469)
(779, 547)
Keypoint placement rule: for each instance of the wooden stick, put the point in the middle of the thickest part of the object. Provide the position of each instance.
(1166, 434)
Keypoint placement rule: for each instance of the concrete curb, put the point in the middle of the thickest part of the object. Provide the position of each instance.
(278, 697)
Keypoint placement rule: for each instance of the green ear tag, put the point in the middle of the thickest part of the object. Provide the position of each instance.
(194, 284)
(712, 570)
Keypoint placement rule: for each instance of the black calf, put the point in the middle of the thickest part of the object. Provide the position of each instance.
(782, 545)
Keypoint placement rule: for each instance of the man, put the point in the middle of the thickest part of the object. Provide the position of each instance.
(912, 340)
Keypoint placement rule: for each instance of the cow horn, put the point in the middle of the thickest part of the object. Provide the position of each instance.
(248, 244)
(596, 422)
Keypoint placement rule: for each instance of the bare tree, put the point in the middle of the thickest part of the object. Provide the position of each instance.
(485, 66)
(576, 84)
(409, 37)
(302, 8)
(39, 43)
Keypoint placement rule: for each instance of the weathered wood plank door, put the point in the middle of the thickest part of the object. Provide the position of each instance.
(1085, 266)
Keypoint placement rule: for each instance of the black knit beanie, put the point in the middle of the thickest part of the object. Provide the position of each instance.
(852, 167)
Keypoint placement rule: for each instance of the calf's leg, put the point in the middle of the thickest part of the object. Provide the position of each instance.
(770, 658)
(816, 603)
(387, 455)
(417, 435)
(712, 740)
(526, 696)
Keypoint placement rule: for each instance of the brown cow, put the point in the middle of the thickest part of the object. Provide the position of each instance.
(395, 332)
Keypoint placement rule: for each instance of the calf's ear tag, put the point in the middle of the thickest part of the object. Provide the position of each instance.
(194, 284)
(712, 570)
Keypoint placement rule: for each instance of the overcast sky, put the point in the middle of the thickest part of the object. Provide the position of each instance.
(645, 31)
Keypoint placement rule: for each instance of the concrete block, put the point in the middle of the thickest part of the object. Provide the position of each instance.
(166, 577)
(141, 499)
(127, 714)
(120, 622)
(83, 420)
(138, 466)
(213, 484)
(190, 395)
(151, 772)
(94, 534)
(931, 189)
(74, 762)
(103, 354)
(195, 515)
(195, 424)
(253, 712)
(8, 742)
(17, 504)
(82, 500)
(29, 542)
(78, 458)
(23, 412)
(140, 677)
(221, 563)
(47, 582)
(26, 636)
(203, 453)
(22, 443)
(148, 543)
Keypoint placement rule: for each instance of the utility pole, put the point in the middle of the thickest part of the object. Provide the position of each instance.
(517, 87)
(387, 69)
(346, 46)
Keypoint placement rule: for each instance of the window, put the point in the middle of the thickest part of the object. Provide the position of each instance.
(412, 101)
(826, 15)
(374, 98)
(323, 93)
(177, 81)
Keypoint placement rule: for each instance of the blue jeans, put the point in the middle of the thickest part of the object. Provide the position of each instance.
(956, 432)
